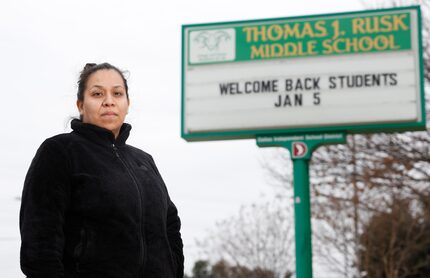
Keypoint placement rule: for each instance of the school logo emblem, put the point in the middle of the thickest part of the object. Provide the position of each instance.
(299, 149)
(208, 46)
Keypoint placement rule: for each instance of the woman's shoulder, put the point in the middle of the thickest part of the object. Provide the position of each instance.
(138, 152)
(53, 151)
(59, 139)
(59, 142)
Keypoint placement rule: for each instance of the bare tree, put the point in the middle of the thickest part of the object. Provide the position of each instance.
(223, 269)
(396, 243)
(260, 236)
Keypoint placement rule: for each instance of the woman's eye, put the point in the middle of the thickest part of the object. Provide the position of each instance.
(96, 94)
(118, 94)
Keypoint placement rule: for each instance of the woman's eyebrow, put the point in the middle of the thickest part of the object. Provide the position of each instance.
(101, 87)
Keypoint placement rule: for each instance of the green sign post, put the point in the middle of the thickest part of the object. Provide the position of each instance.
(301, 148)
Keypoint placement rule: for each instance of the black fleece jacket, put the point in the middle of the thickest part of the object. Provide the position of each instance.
(95, 207)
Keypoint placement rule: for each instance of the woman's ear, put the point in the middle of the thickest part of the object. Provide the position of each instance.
(79, 105)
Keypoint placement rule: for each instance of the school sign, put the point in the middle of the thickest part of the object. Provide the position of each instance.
(349, 72)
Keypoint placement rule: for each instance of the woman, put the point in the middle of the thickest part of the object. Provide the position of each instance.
(93, 206)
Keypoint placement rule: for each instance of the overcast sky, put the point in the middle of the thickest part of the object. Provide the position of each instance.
(44, 45)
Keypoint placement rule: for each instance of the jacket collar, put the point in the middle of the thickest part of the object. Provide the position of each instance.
(101, 135)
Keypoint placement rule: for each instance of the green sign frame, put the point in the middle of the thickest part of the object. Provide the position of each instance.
(356, 128)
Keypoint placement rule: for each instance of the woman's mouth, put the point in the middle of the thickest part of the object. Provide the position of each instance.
(109, 114)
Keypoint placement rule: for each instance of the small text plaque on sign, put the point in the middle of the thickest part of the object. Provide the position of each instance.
(353, 72)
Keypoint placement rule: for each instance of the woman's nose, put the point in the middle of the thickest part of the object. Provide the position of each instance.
(108, 101)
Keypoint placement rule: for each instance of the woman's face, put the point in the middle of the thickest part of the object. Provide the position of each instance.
(105, 101)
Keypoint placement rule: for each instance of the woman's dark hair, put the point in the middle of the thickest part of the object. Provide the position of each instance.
(91, 68)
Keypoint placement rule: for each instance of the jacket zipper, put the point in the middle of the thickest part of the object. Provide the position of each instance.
(142, 250)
